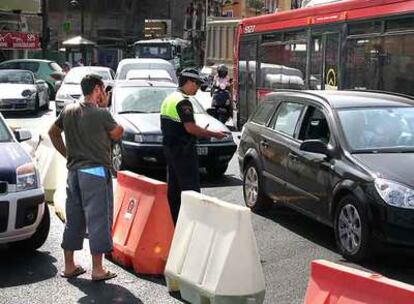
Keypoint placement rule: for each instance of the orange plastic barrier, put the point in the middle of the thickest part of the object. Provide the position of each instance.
(331, 283)
(143, 227)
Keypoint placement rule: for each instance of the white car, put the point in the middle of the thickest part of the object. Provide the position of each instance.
(24, 215)
(20, 91)
(70, 90)
(126, 65)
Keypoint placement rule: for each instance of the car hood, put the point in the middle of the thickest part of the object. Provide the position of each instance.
(71, 89)
(150, 122)
(12, 156)
(394, 166)
(14, 90)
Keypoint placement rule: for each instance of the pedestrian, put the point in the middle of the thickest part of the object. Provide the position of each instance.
(89, 129)
(179, 132)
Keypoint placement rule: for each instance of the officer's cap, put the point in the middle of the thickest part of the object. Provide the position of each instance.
(192, 73)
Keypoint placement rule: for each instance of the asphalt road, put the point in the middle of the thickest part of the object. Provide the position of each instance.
(287, 243)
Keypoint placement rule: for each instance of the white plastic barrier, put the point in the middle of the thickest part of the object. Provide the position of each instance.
(214, 256)
(50, 165)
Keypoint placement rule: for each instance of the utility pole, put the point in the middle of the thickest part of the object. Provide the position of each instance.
(45, 28)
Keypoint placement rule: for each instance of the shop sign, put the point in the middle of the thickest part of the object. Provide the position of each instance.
(19, 41)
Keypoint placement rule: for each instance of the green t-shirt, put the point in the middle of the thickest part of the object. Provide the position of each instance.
(86, 128)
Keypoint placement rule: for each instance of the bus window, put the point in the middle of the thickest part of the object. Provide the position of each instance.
(362, 64)
(316, 64)
(283, 64)
(397, 60)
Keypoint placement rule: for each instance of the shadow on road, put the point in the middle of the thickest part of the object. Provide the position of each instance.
(391, 263)
(224, 181)
(25, 114)
(19, 268)
(103, 292)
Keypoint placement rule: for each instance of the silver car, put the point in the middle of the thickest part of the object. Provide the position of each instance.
(70, 91)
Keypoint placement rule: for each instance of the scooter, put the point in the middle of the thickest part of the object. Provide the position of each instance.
(221, 104)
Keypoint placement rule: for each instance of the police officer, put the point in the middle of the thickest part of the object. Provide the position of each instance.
(179, 132)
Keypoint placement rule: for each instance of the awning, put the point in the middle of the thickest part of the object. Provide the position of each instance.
(78, 41)
(19, 41)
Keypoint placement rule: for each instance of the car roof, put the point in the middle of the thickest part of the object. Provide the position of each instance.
(351, 98)
(144, 83)
(92, 67)
(28, 60)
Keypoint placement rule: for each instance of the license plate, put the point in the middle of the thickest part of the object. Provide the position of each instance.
(202, 150)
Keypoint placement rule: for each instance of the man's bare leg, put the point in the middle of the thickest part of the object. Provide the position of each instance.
(69, 261)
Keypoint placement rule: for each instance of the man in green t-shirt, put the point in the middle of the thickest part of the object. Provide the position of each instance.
(89, 129)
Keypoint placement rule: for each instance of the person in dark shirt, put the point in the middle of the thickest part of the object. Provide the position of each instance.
(180, 132)
(89, 129)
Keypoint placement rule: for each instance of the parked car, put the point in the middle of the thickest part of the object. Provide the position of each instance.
(21, 91)
(41, 68)
(126, 65)
(70, 90)
(136, 106)
(344, 158)
(24, 216)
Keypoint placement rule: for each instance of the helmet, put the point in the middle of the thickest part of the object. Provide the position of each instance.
(191, 73)
(222, 71)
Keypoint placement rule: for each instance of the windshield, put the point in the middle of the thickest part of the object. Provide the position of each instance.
(145, 99)
(146, 50)
(20, 77)
(75, 75)
(387, 129)
(4, 132)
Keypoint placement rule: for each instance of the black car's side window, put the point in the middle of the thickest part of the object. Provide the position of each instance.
(262, 115)
(286, 118)
(315, 126)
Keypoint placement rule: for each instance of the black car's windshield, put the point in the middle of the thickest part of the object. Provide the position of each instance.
(379, 130)
(4, 132)
(145, 99)
(17, 77)
(147, 50)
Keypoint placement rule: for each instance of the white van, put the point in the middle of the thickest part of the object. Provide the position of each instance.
(129, 64)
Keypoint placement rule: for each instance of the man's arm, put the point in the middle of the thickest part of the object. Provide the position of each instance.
(55, 134)
(195, 130)
(116, 133)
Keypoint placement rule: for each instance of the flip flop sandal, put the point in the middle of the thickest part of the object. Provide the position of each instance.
(107, 276)
(77, 272)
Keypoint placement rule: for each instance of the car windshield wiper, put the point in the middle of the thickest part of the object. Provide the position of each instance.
(69, 82)
(130, 112)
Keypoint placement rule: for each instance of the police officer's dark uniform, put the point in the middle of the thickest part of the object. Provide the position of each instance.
(179, 146)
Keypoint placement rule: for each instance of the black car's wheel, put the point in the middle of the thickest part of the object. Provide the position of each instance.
(117, 162)
(216, 171)
(40, 236)
(254, 195)
(352, 233)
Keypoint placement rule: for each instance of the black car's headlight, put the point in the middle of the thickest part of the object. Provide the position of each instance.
(395, 194)
(227, 138)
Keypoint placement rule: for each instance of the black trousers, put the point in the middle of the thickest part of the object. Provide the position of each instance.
(182, 173)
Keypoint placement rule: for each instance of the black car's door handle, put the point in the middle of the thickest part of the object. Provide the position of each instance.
(264, 144)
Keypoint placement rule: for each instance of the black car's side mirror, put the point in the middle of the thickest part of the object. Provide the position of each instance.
(314, 146)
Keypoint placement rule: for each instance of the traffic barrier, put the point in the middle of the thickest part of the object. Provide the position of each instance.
(331, 283)
(50, 165)
(214, 256)
(143, 227)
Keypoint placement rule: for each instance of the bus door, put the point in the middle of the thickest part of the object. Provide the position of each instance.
(247, 79)
(324, 61)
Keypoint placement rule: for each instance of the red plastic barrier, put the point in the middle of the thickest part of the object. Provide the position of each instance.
(331, 283)
(143, 227)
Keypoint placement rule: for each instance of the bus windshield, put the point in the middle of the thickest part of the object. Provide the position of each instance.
(158, 50)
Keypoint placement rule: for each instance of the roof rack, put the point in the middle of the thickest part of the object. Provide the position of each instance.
(382, 92)
(305, 92)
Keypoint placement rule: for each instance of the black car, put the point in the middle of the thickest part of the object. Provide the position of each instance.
(136, 106)
(344, 158)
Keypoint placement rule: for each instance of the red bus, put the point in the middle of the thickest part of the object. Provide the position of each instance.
(354, 44)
